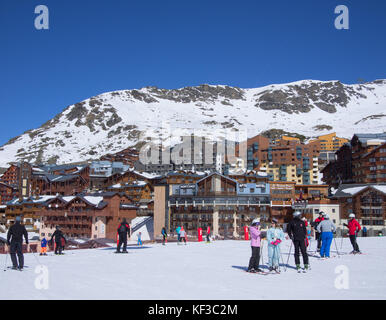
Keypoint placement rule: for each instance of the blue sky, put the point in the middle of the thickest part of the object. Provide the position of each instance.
(97, 46)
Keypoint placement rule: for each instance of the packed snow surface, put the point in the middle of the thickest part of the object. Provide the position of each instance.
(197, 271)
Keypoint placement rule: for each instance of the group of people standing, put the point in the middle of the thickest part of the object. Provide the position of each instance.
(299, 232)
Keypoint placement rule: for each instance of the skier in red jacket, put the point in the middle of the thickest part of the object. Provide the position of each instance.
(353, 228)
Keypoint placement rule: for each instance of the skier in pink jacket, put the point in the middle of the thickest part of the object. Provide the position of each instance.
(254, 230)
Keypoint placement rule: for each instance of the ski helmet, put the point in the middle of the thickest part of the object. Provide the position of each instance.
(297, 213)
(255, 222)
(326, 216)
(321, 213)
(351, 215)
(274, 220)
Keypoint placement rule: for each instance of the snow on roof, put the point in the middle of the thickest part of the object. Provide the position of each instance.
(380, 188)
(354, 190)
(118, 185)
(68, 198)
(93, 199)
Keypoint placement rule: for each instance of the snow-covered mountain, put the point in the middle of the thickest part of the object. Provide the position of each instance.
(113, 121)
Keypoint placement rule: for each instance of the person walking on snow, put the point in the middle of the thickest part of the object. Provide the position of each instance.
(208, 234)
(58, 236)
(297, 232)
(254, 230)
(353, 228)
(275, 236)
(315, 226)
(43, 247)
(183, 235)
(164, 235)
(326, 229)
(139, 241)
(123, 232)
(15, 241)
(178, 230)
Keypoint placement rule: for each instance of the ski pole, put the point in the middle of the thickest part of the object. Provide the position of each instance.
(289, 253)
(341, 242)
(5, 265)
(336, 247)
(262, 256)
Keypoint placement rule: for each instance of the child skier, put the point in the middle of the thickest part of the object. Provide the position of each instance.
(254, 230)
(139, 242)
(275, 236)
(353, 228)
(43, 247)
(183, 235)
(178, 230)
(326, 229)
(164, 236)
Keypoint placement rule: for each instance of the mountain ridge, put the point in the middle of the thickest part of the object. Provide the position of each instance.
(115, 120)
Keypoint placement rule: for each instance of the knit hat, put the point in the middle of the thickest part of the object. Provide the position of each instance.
(274, 220)
(18, 219)
(255, 222)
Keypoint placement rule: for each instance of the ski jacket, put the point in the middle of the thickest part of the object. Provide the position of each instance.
(255, 236)
(274, 234)
(326, 226)
(182, 233)
(43, 243)
(296, 229)
(16, 233)
(178, 230)
(208, 230)
(316, 222)
(163, 232)
(353, 227)
(58, 235)
(123, 228)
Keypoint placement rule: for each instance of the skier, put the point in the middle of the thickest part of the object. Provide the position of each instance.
(183, 235)
(43, 247)
(139, 241)
(58, 235)
(178, 230)
(326, 229)
(15, 241)
(353, 228)
(254, 230)
(123, 231)
(275, 236)
(164, 235)
(296, 230)
(208, 234)
(315, 226)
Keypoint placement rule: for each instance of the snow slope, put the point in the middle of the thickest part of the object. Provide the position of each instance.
(195, 271)
(113, 121)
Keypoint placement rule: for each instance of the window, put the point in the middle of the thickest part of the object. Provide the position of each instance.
(252, 190)
(333, 210)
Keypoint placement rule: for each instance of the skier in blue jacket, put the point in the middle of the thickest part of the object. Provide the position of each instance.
(275, 236)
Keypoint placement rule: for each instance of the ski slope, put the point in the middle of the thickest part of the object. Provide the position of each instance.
(195, 271)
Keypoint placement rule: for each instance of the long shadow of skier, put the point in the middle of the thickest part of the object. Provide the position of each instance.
(128, 248)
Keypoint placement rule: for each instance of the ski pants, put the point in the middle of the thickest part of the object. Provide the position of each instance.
(300, 244)
(255, 258)
(16, 248)
(319, 239)
(122, 240)
(139, 242)
(353, 240)
(326, 244)
(43, 250)
(207, 238)
(273, 255)
(163, 239)
(58, 246)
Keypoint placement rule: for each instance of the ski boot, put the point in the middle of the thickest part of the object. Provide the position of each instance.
(15, 268)
(306, 268)
(298, 269)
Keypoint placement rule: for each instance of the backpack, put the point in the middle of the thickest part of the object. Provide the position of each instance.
(122, 228)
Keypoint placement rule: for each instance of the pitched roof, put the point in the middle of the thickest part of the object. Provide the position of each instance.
(350, 190)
